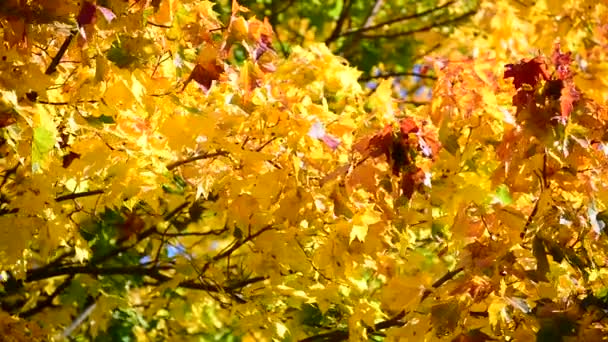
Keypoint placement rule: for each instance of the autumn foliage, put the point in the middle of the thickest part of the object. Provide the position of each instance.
(168, 174)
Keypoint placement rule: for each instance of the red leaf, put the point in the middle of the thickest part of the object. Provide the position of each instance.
(381, 143)
(132, 226)
(527, 72)
(205, 74)
(408, 125)
(569, 96)
(410, 181)
(562, 63)
(69, 158)
(87, 14)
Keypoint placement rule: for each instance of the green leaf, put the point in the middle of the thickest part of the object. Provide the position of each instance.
(118, 55)
(503, 195)
(43, 142)
(334, 13)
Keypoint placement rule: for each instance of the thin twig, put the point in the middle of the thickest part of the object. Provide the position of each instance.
(65, 103)
(236, 244)
(397, 74)
(211, 232)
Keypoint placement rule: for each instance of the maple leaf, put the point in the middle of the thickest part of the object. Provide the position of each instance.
(562, 62)
(381, 143)
(569, 95)
(407, 126)
(132, 226)
(411, 180)
(204, 74)
(261, 33)
(208, 67)
(324, 250)
(528, 72)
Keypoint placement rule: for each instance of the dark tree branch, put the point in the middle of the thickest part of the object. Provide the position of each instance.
(421, 29)
(78, 195)
(236, 245)
(64, 103)
(211, 232)
(273, 21)
(395, 20)
(415, 103)
(62, 50)
(48, 301)
(335, 34)
(153, 272)
(92, 270)
(205, 155)
(397, 74)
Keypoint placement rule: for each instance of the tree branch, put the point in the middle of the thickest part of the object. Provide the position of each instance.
(48, 301)
(62, 50)
(92, 270)
(238, 244)
(395, 20)
(211, 232)
(397, 74)
(418, 30)
(78, 195)
(372, 13)
(335, 34)
(205, 155)
(397, 320)
(152, 272)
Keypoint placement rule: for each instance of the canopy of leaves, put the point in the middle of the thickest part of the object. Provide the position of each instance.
(381, 38)
(181, 170)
